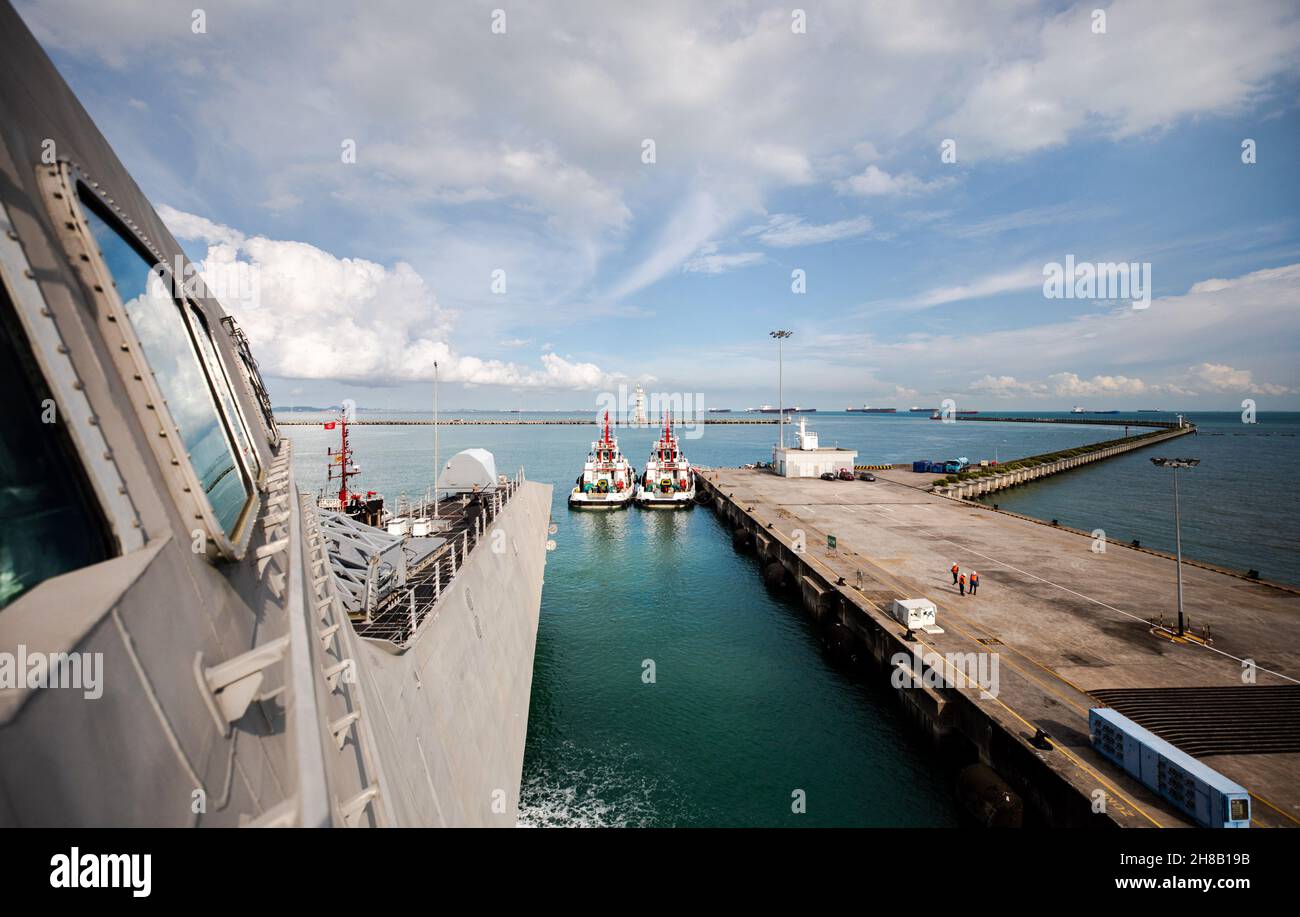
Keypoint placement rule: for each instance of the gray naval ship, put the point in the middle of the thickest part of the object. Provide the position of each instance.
(185, 637)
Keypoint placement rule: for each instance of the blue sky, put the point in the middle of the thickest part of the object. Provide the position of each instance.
(775, 150)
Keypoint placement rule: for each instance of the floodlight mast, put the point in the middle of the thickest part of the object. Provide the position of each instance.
(1175, 464)
(781, 336)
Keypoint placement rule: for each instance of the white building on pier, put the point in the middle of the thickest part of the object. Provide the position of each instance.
(806, 459)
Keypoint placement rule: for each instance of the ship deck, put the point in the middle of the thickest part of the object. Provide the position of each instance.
(434, 561)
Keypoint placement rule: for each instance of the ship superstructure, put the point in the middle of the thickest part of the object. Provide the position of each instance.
(668, 481)
(264, 661)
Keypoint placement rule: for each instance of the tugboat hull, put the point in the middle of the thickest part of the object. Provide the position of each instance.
(600, 502)
(680, 499)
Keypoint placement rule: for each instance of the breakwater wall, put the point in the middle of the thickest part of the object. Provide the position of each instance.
(1093, 421)
(488, 422)
(994, 479)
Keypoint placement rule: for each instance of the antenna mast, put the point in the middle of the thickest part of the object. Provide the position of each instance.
(437, 466)
(343, 459)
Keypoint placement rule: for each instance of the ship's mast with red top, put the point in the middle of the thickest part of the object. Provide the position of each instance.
(342, 458)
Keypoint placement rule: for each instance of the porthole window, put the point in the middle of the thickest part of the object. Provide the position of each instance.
(189, 392)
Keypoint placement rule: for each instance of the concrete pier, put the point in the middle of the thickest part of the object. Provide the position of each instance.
(1066, 622)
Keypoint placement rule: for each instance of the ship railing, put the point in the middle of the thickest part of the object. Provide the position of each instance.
(399, 616)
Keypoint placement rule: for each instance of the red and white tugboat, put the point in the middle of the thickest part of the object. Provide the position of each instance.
(668, 481)
(607, 479)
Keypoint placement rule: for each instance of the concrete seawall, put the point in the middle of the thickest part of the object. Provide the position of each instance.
(1002, 480)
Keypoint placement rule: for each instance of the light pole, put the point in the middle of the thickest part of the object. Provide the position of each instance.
(1175, 464)
(437, 467)
(780, 379)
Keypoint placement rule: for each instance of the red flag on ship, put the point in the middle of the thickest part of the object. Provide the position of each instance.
(330, 425)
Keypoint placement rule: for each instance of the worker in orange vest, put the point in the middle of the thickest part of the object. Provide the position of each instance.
(954, 574)
(961, 583)
(974, 582)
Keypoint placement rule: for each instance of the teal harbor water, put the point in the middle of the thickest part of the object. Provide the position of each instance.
(745, 709)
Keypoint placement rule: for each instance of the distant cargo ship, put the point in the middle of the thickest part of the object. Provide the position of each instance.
(719, 410)
(869, 410)
(768, 409)
(915, 410)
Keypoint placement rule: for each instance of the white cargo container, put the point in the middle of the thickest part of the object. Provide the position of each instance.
(916, 614)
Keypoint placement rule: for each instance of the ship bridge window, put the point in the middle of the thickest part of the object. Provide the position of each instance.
(49, 521)
(221, 381)
(253, 376)
(173, 357)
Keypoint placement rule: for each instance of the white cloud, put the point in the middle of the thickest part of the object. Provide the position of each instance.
(783, 230)
(1220, 377)
(875, 181)
(1005, 387)
(546, 123)
(697, 220)
(1248, 321)
(1212, 376)
(1061, 385)
(470, 144)
(312, 315)
(790, 166)
(191, 226)
(1071, 385)
(980, 287)
(1028, 218)
(1148, 71)
(711, 263)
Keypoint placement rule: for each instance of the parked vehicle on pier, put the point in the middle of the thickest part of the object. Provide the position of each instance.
(866, 476)
(846, 474)
(1196, 789)
(829, 476)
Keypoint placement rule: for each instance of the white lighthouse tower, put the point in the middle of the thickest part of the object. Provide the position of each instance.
(639, 417)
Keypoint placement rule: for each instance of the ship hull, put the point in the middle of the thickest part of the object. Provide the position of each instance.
(451, 751)
(595, 502)
(679, 499)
